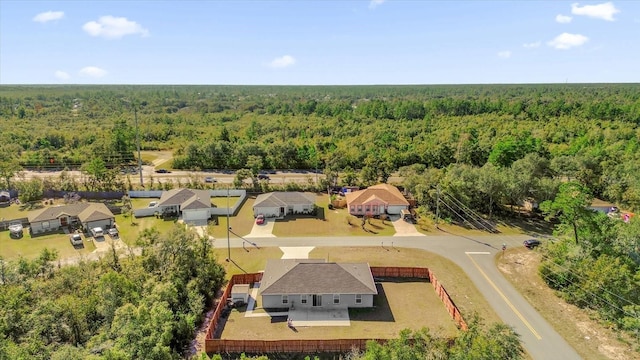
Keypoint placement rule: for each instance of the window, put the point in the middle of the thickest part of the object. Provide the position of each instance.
(45, 224)
(367, 208)
(336, 298)
(353, 208)
(303, 299)
(358, 298)
(359, 208)
(285, 299)
(375, 209)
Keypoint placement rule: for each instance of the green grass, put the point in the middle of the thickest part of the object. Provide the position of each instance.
(221, 202)
(129, 231)
(241, 224)
(30, 247)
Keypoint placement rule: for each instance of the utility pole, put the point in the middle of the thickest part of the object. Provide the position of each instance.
(437, 205)
(135, 116)
(228, 228)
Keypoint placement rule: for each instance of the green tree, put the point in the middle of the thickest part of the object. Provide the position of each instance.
(569, 206)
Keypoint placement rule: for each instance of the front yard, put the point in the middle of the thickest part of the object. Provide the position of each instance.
(30, 248)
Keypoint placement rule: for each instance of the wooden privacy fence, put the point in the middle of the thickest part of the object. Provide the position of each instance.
(213, 345)
(287, 346)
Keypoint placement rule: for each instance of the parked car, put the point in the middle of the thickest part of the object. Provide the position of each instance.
(210, 179)
(531, 243)
(113, 232)
(163, 171)
(76, 239)
(260, 219)
(97, 232)
(153, 204)
(263, 177)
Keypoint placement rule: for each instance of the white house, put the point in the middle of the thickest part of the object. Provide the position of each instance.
(281, 203)
(192, 205)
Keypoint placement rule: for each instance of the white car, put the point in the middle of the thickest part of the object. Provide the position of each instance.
(97, 232)
(113, 232)
(76, 239)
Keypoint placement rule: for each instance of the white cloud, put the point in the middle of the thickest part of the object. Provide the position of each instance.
(531, 45)
(604, 11)
(563, 19)
(375, 3)
(111, 27)
(93, 71)
(48, 16)
(504, 54)
(62, 75)
(566, 41)
(282, 62)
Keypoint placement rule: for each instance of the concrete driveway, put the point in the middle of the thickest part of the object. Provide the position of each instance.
(264, 230)
(404, 228)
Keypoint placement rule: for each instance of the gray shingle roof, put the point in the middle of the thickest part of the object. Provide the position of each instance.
(84, 211)
(188, 199)
(314, 276)
(284, 198)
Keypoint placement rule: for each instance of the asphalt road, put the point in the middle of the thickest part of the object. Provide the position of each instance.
(475, 255)
(148, 172)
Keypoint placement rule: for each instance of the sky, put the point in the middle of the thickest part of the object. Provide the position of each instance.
(330, 42)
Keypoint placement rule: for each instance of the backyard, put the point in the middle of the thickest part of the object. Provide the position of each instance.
(399, 305)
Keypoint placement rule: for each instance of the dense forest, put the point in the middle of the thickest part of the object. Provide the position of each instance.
(588, 132)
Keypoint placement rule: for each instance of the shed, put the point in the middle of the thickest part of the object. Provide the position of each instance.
(240, 292)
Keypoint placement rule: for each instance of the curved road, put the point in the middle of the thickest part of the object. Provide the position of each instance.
(475, 255)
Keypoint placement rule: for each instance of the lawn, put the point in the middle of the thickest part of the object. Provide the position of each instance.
(405, 310)
(335, 223)
(398, 305)
(129, 231)
(590, 338)
(241, 224)
(30, 247)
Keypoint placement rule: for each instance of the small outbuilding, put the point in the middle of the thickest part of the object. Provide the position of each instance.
(240, 293)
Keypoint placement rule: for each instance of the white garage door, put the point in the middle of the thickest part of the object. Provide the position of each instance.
(201, 214)
(394, 210)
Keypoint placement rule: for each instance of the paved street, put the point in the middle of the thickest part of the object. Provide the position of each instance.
(475, 255)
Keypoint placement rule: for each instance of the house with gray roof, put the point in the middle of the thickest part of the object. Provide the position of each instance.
(192, 205)
(283, 203)
(316, 284)
(87, 215)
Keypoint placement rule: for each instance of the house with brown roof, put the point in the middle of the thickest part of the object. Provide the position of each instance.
(86, 215)
(192, 205)
(376, 200)
(282, 203)
(317, 284)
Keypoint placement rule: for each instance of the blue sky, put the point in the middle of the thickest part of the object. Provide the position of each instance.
(308, 42)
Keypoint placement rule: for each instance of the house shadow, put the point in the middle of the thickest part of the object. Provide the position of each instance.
(381, 310)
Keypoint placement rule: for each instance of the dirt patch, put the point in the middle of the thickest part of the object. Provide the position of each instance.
(590, 338)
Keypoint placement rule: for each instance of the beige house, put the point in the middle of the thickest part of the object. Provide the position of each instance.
(376, 200)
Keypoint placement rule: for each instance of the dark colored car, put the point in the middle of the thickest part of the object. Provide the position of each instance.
(163, 171)
(531, 243)
(263, 177)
